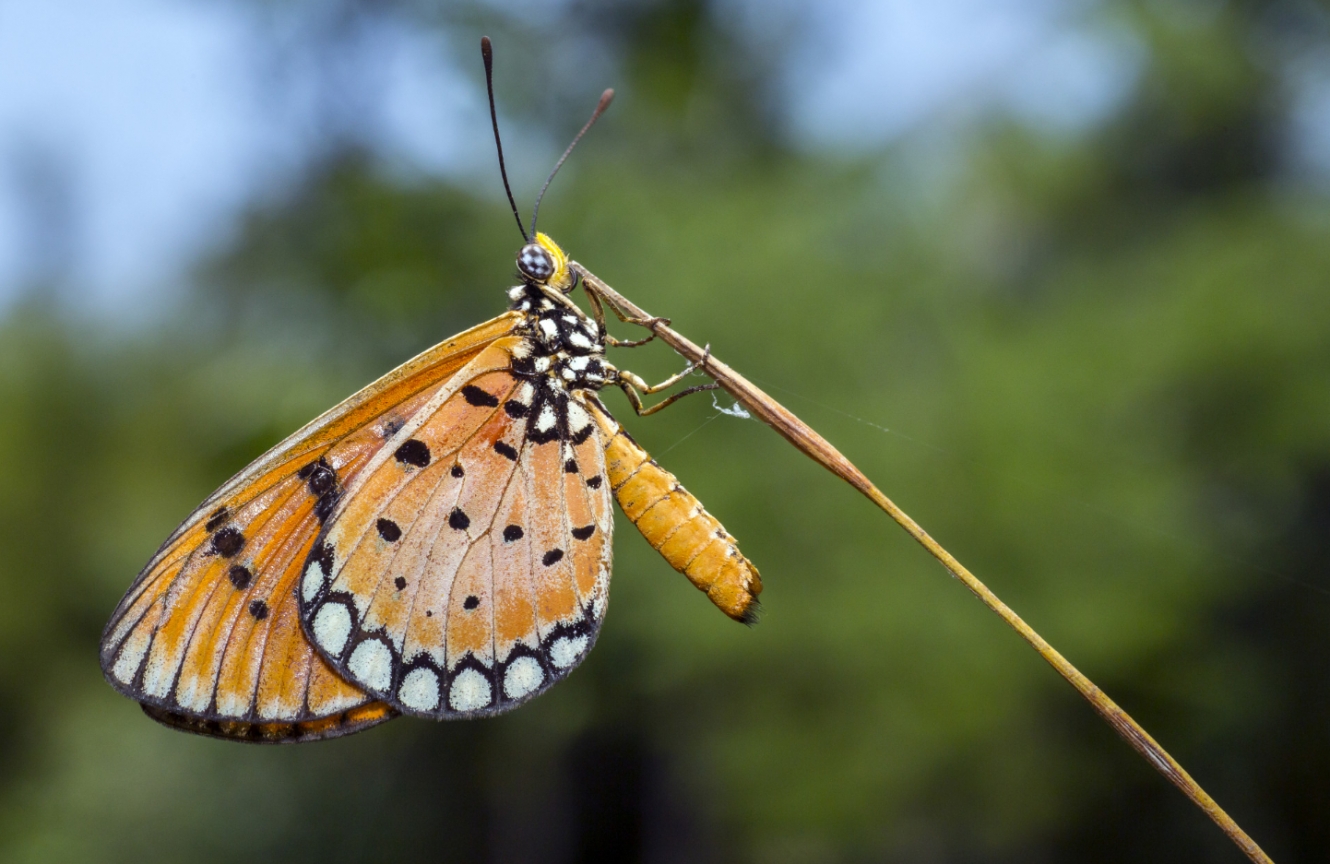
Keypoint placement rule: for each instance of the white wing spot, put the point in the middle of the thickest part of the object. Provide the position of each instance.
(420, 689)
(312, 581)
(524, 675)
(566, 649)
(470, 691)
(332, 627)
(579, 340)
(372, 665)
(547, 419)
(549, 328)
(577, 418)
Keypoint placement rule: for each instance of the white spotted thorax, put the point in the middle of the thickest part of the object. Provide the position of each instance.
(564, 351)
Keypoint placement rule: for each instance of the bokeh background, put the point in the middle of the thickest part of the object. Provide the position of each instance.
(1053, 272)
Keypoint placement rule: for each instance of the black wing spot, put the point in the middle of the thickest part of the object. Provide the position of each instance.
(585, 532)
(553, 556)
(512, 532)
(389, 530)
(594, 482)
(320, 476)
(228, 542)
(413, 452)
(505, 450)
(458, 520)
(582, 434)
(570, 467)
(457, 471)
(327, 502)
(240, 577)
(400, 583)
(480, 398)
(471, 602)
(392, 427)
(259, 610)
(220, 515)
(429, 614)
(515, 408)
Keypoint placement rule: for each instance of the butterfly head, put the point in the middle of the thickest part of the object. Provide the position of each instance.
(544, 263)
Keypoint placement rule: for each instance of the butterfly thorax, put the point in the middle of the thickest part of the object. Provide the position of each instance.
(562, 351)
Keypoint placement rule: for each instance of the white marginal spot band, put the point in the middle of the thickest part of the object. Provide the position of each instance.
(524, 675)
(420, 689)
(566, 649)
(312, 581)
(470, 691)
(332, 627)
(371, 664)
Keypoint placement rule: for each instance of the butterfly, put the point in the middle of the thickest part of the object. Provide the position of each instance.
(438, 545)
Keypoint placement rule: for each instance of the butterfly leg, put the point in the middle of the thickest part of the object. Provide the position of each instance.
(598, 311)
(633, 386)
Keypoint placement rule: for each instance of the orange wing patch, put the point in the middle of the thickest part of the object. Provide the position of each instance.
(210, 631)
(453, 581)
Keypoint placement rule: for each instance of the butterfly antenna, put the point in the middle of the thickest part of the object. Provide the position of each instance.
(595, 115)
(487, 52)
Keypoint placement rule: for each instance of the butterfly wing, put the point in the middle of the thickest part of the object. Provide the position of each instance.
(468, 567)
(333, 726)
(209, 632)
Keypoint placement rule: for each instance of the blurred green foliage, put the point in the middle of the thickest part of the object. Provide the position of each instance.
(1105, 360)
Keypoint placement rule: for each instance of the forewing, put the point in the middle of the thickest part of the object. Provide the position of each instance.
(209, 636)
(334, 726)
(468, 568)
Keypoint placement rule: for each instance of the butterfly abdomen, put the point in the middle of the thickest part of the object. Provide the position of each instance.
(674, 522)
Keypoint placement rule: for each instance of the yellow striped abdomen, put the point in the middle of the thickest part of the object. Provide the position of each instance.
(674, 522)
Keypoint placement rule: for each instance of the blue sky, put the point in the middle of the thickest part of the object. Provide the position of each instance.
(132, 130)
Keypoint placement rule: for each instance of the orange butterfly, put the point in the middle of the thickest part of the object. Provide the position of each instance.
(436, 545)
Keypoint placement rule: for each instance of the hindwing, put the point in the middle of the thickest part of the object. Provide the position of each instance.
(467, 568)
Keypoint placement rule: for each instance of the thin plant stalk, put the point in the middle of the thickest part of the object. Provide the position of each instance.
(802, 436)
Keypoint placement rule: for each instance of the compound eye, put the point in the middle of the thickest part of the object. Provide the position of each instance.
(535, 263)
